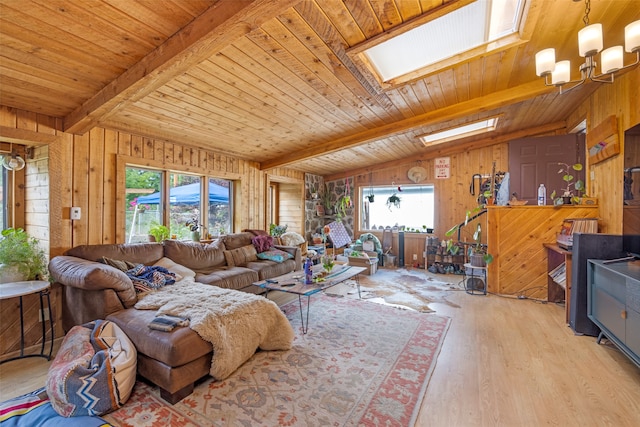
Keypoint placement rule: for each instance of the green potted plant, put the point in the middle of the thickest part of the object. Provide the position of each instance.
(479, 257)
(342, 205)
(325, 199)
(194, 227)
(568, 196)
(393, 201)
(277, 230)
(21, 258)
(158, 232)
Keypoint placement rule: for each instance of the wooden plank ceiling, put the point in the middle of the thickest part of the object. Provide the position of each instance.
(272, 81)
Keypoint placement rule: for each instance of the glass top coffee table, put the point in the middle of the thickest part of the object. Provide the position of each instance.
(293, 283)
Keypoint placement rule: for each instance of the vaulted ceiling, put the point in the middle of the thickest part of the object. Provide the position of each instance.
(273, 81)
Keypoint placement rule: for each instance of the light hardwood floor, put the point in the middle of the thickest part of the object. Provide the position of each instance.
(504, 362)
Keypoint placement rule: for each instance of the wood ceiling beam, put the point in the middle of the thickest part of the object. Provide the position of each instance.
(25, 137)
(449, 149)
(219, 26)
(474, 106)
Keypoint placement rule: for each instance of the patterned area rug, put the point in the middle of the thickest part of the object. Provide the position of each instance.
(414, 289)
(361, 364)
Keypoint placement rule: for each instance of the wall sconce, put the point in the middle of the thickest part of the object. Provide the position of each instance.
(13, 161)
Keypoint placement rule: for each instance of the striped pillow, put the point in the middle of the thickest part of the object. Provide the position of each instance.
(241, 256)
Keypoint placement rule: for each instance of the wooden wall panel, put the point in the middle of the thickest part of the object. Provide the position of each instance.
(515, 238)
(619, 99)
(452, 197)
(82, 171)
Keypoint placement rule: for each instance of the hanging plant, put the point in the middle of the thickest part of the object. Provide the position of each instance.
(371, 197)
(393, 201)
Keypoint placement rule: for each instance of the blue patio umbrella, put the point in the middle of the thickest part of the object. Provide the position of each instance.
(189, 195)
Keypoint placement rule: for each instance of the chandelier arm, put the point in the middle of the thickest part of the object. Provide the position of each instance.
(598, 78)
(578, 83)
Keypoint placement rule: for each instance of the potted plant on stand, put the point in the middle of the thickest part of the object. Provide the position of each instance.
(20, 257)
(568, 197)
(479, 257)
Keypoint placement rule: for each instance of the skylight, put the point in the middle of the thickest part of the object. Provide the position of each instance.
(468, 27)
(459, 132)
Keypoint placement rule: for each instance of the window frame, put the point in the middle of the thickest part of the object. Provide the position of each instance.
(363, 191)
(124, 162)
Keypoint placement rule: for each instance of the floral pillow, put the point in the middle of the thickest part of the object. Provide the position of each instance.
(276, 255)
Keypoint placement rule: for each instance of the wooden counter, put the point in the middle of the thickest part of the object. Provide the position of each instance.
(515, 237)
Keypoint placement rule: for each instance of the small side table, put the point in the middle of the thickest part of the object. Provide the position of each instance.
(19, 289)
(473, 273)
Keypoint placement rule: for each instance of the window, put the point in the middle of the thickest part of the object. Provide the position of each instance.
(442, 38)
(416, 209)
(146, 198)
(4, 198)
(142, 188)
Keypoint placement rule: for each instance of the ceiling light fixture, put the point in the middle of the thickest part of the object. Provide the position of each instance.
(589, 44)
(13, 161)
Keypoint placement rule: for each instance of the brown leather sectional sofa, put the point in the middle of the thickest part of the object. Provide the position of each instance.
(172, 360)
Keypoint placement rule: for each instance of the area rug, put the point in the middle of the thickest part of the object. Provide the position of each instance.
(360, 364)
(414, 289)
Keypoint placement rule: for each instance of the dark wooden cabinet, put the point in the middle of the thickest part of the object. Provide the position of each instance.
(613, 303)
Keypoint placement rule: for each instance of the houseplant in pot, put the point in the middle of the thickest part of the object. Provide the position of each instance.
(194, 227)
(20, 257)
(158, 232)
(572, 192)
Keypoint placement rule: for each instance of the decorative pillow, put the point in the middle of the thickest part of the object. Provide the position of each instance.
(93, 372)
(180, 271)
(262, 243)
(116, 263)
(241, 256)
(275, 255)
(34, 409)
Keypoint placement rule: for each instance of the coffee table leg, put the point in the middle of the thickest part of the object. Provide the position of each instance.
(358, 284)
(305, 328)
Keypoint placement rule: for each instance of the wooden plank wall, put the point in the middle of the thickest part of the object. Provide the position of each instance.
(515, 238)
(452, 197)
(622, 100)
(83, 171)
(291, 207)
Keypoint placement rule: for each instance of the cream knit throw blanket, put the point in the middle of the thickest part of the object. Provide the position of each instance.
(235, 323)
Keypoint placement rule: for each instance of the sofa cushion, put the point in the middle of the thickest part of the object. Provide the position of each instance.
(237, 240)
(275, 255)
(180, 271)
(175, 348)
(93, 276)
(196, 256)
(270, 269)
(230, 277)
(241, 256)
(137, 253)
